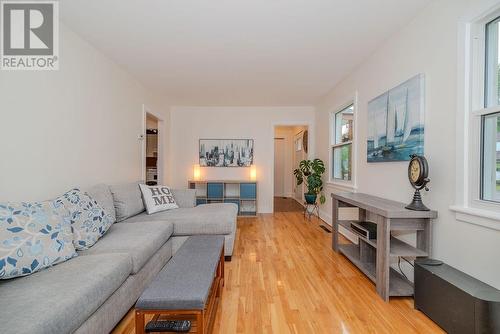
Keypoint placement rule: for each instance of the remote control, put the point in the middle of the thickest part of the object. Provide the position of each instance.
(180, 326)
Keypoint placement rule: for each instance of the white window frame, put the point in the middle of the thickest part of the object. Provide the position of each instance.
(469, 206)
(351, 184)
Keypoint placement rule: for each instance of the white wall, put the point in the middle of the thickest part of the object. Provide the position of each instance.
(429, 45)
(75, 126)
(192, 123)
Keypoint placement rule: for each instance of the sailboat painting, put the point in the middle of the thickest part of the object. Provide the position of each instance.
(396, 122)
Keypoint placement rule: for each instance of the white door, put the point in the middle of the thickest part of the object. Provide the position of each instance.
(299, 155)
(279, 167)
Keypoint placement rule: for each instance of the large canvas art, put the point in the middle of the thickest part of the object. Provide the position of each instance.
(226, 152)
(396, 122)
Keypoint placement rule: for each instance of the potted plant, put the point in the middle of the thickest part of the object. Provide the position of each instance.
(310, 171)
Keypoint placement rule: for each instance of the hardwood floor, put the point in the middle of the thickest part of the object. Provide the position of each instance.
(287, 204)
(285, 278)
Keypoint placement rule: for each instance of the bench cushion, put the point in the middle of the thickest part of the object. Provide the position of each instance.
(217, 218)
(59, 299)
(185, 281)
(139, 241)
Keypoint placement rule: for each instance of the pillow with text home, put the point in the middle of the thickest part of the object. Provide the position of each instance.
(157, 198)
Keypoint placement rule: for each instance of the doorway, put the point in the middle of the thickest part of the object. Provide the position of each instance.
(152, 149)
(290, 147)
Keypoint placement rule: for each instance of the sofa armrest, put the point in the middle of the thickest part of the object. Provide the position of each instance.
(185, 198)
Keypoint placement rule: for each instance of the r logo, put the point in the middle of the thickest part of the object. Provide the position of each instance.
(28, 29)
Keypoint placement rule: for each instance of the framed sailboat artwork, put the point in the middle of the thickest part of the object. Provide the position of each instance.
(396, 122)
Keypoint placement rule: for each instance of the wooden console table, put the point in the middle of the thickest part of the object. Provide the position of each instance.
(373, 257)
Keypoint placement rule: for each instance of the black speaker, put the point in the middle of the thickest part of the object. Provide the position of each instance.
(456, 301)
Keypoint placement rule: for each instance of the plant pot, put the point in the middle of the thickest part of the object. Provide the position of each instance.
(310, 198)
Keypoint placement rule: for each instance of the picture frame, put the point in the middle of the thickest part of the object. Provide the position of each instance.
(396, 122)
(226, 152)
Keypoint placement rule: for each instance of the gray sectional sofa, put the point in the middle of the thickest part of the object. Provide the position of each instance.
(93, 291)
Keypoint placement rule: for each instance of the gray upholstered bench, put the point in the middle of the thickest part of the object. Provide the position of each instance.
(188, 287)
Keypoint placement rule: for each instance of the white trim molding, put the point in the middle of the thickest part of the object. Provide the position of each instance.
(342, 185)
(480, 217)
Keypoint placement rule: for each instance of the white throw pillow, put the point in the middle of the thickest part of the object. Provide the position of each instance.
(157, 198)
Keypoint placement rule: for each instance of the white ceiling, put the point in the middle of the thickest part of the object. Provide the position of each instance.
(238, 52)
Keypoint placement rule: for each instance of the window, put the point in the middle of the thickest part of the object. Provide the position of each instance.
(490, 116)
(491, 157)
(477, 198)
(342, 142)
(492, 87)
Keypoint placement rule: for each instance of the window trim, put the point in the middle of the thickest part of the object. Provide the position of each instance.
(469, 206)
(351, 184)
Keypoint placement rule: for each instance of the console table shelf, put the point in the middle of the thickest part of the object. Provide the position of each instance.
(397, 247)
(398, 285)
(373, 257)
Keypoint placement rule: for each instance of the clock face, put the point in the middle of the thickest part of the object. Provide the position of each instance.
(414, 170)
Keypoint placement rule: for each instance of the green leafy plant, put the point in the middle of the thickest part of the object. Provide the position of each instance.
(311, 171)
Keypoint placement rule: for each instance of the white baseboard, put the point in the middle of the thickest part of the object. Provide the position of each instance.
(327, 218)
(287, 195)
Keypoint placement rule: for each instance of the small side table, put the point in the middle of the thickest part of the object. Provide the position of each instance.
(309, 210)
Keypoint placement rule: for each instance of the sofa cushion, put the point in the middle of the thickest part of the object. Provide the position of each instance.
(185, 198)
(139, 241)
(217, 218)
(127, 199)
(34, 236)
(89, 220)
(102, 194)
(157, 198)
(61, 298)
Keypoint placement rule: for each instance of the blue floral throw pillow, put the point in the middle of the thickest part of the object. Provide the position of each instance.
(89, 220)
(33, 236)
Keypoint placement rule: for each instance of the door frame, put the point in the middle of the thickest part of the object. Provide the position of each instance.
(160, 163)
(311, 143)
